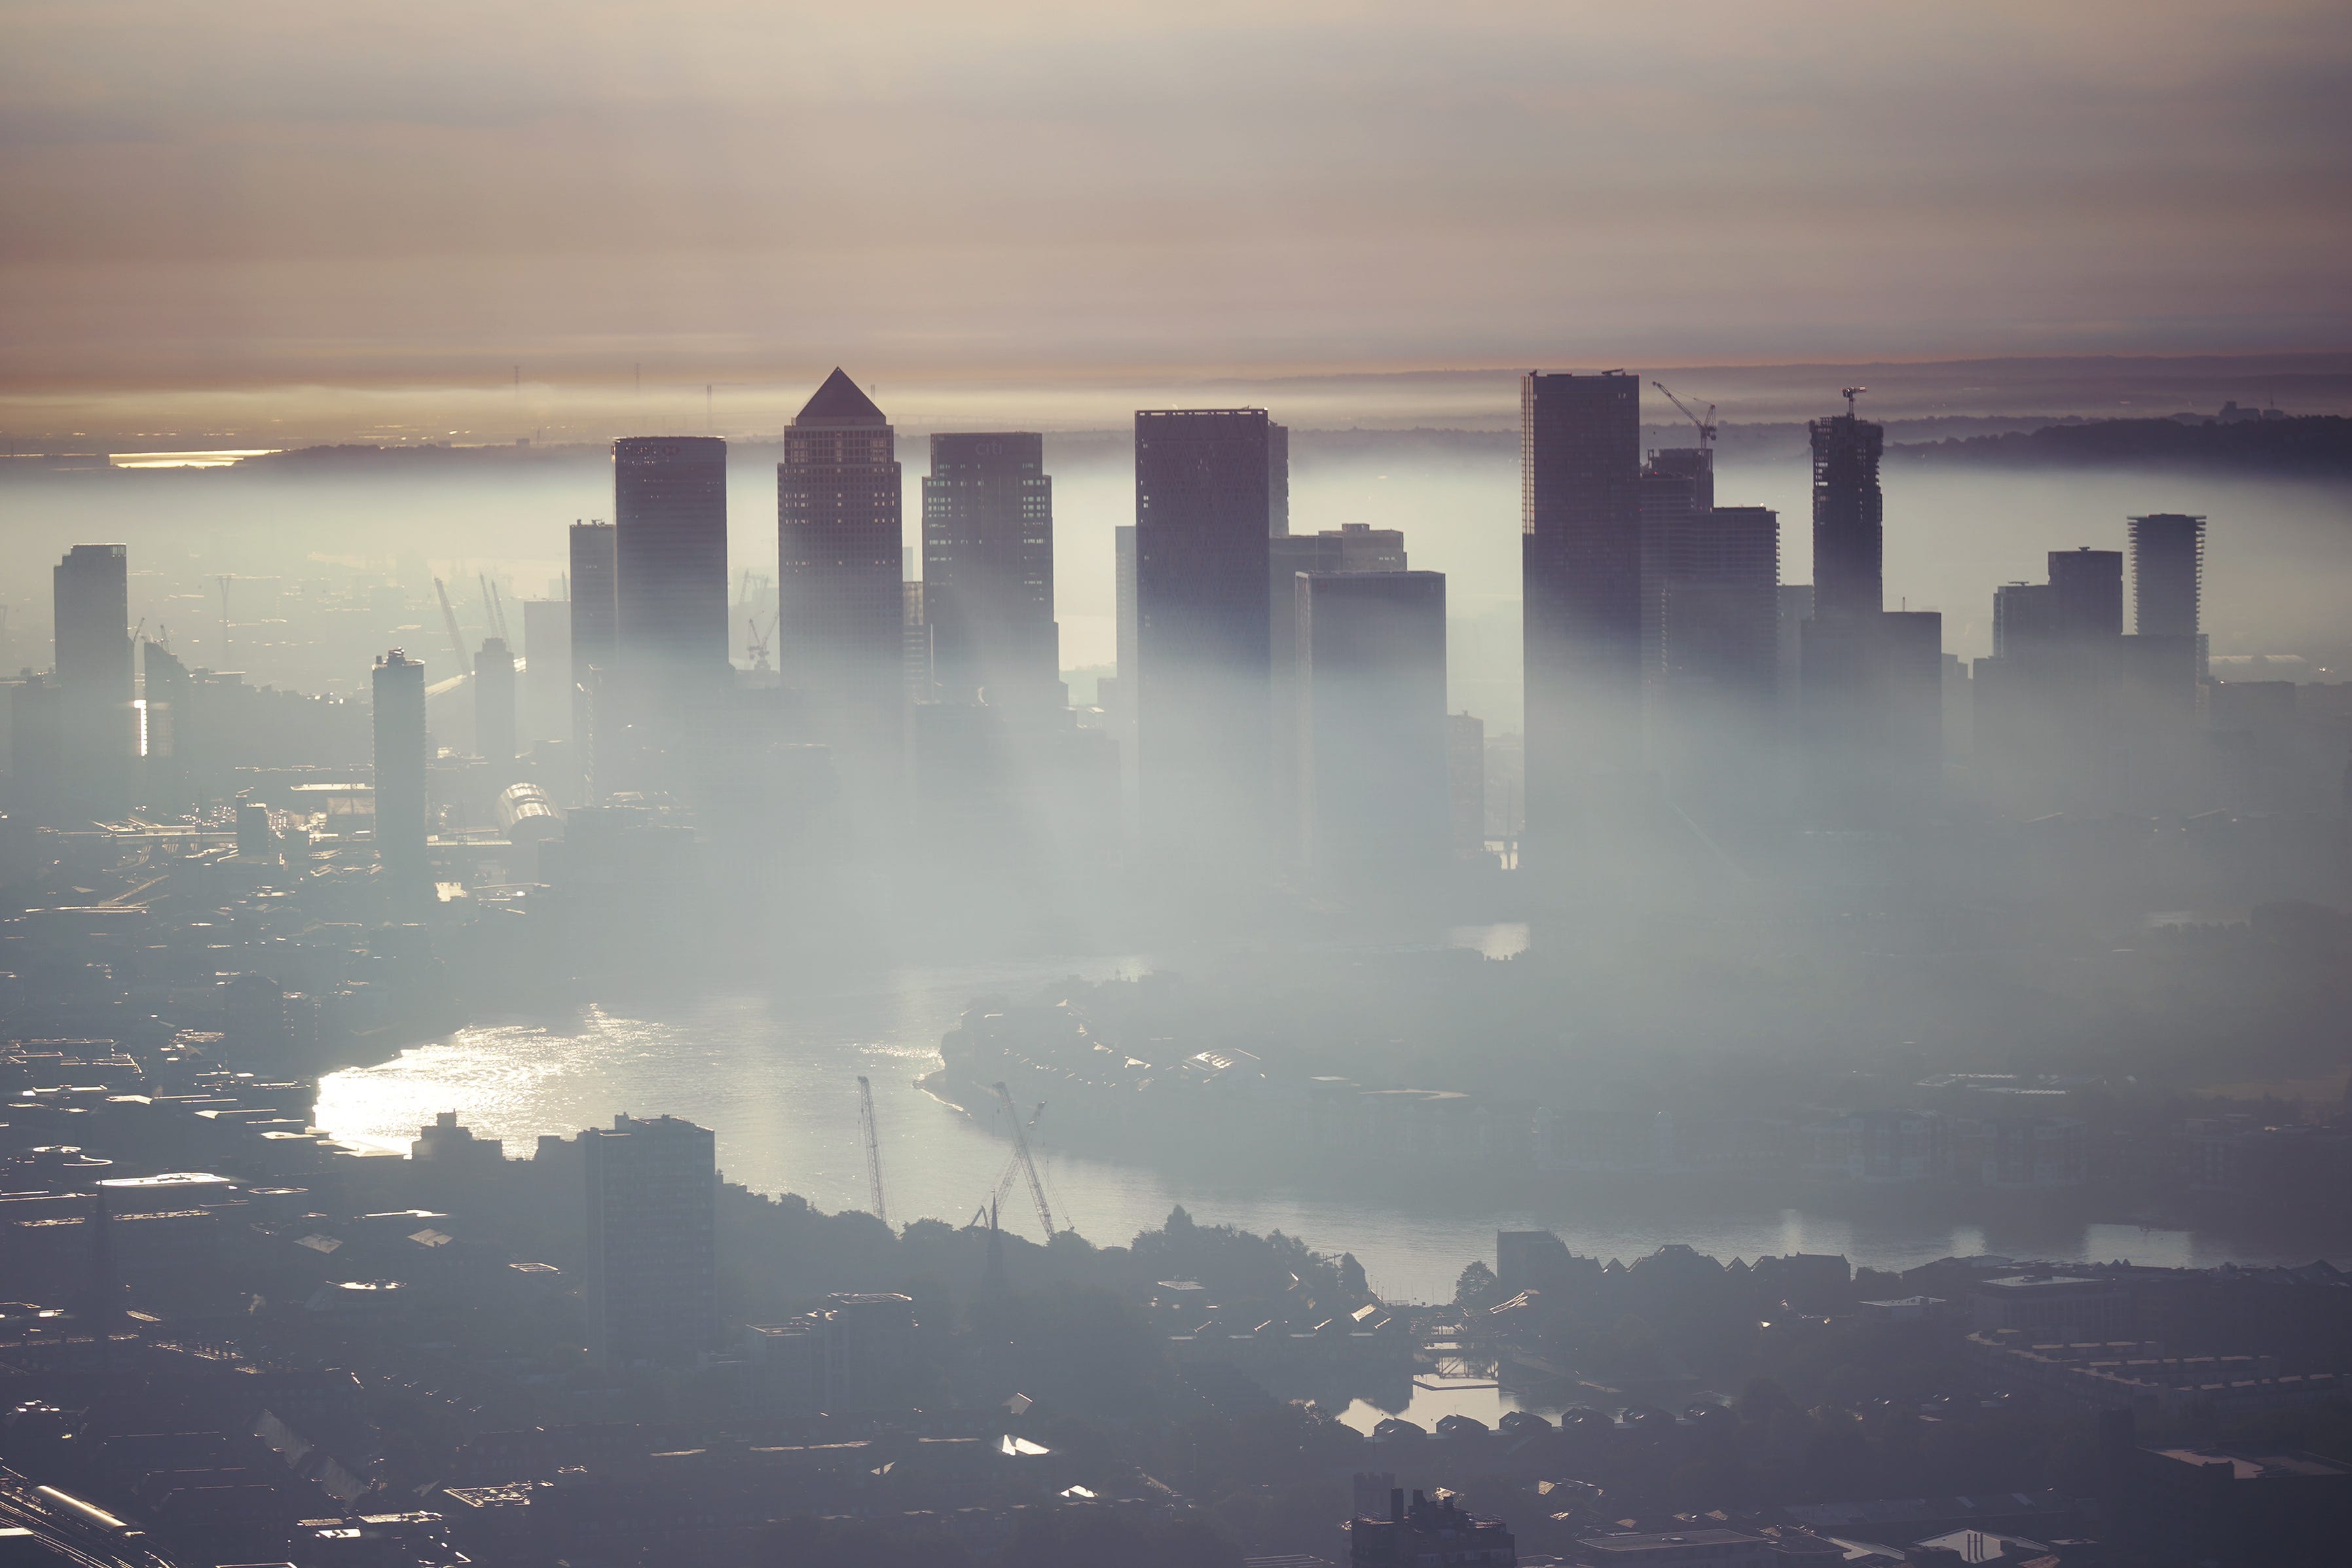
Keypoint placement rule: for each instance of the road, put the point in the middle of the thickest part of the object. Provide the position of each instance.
(81, 1538)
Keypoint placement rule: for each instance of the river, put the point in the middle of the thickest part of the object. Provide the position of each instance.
(775, 1078)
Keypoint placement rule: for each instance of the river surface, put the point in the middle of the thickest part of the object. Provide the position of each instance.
(775, 1078)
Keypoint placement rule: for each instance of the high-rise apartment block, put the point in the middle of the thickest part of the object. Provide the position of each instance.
(1580, 573)
(2168, 567)
(97, 733)
(1201, 524)
(401, 753)
(652, 1233)
(840, 587)
(1849, 518)
(987, 569)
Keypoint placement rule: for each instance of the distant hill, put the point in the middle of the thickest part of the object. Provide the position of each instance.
(2315, 446)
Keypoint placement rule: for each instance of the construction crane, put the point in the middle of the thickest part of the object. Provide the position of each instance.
(758, 642)
(1850, 394)
(456, 640)
(1706, 422)
(499, 603)
(1004, 1179)
(1028, 1165)
(490, 610)
(873, 1147)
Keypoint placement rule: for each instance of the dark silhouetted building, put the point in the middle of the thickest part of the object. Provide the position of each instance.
(1277, 479)
(2167, 561)
(1371, 681)
(1581, 574)
(987, 569)
(1713, 698)
(95, 723)
(401, 753)
(669, 512)
(1849, 518)
(840, 590)
(1202, 698)
(2087, 588)
(652, 1227)
(494, 702)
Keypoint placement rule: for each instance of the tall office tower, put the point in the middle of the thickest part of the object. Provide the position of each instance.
(2167, 562)
(1465, 784)
(652, 1233)
(400, 759)
(1350, 547)
(840, 592)
(988, 570)
(494, 702)
(670, 557)
(1580, 575)
(1202, 703)
(2026, 622)
(96, 727)
(1849, 518)
(595, 634)
(1277, 479)
(1719, 603)
(1374, 792)
(2088, 586)
(547, 669)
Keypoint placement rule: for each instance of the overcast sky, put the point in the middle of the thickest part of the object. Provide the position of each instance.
(249, 192)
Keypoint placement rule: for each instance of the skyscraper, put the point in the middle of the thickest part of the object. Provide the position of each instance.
(1849, 518)
(1580, 576)
(401, 752)
(2168, 564)
(595, 637)
(839, 590)
(1373, 764)
(494, 702)
(96, 730)
(1719, 611)
(1200, 522)
(987, 569)
(651, 1232)
(2088, 586)
(1277, 479)
(670, 557)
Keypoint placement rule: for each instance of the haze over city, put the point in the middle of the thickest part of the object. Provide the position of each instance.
(1197, 788)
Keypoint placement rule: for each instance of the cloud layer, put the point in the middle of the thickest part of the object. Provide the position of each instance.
(252, 193)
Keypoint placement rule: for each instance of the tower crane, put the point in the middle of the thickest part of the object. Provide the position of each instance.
(456, 643)
(1004, 1179)
(1028, 1165)
(1706, 422)
(873, 1147)
(1850, 394)
(758, 642)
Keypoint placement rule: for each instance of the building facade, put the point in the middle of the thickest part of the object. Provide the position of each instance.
(987, 569)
